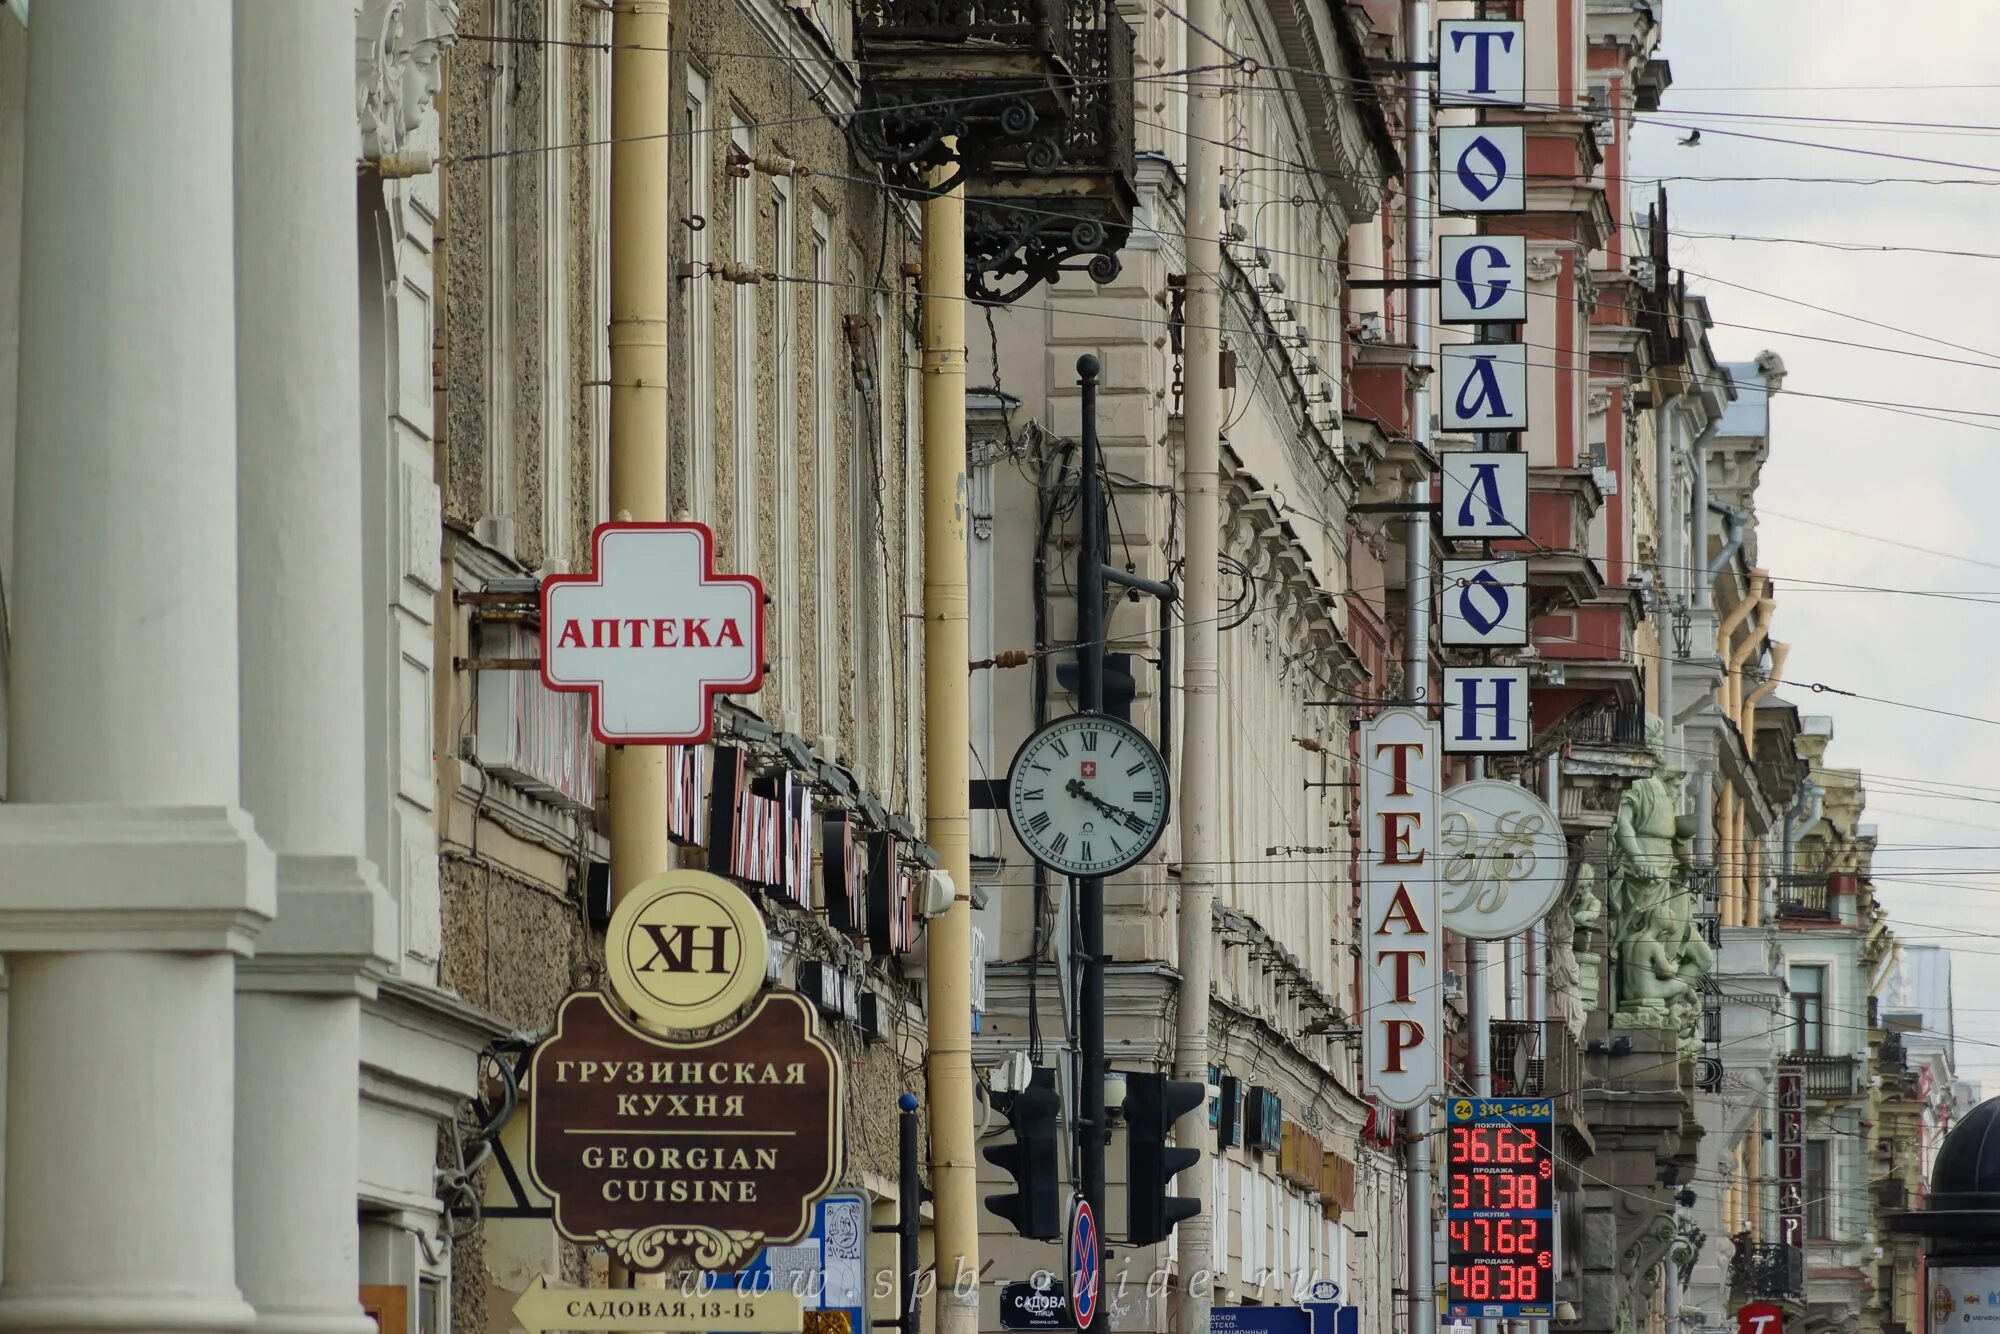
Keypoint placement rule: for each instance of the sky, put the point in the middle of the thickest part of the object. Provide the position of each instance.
(1738, 65)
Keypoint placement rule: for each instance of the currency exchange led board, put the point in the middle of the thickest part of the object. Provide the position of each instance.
(1500, 1209)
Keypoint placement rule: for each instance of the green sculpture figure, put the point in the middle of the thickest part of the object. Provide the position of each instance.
(1657, 956)
(1584, 911)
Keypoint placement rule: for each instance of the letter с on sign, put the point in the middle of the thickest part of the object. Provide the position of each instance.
(653, 633)
(1403, 937)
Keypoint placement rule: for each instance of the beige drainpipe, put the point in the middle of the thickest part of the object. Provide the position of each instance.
(1730, 694)
(1747, 720)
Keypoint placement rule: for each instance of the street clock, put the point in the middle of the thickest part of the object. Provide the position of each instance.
(1087, 795)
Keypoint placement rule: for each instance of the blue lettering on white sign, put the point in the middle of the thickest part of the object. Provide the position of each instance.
(1489, 400)
(1481, 290)
(1485, 484)
(1482, 187)
(1477, 616)
(1482, 60)
(1501, 706)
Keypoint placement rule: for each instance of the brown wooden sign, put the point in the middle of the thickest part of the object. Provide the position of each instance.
(661, 1149)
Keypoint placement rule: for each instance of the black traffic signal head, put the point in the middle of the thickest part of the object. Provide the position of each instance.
(1035, 1206)
(1153, 1103)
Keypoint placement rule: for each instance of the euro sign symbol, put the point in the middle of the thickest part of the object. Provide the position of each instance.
(1482, 185)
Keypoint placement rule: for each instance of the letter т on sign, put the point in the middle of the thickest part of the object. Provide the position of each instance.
(1482, 63)
(1403, 934)
(653, 633)
(1760, 1318)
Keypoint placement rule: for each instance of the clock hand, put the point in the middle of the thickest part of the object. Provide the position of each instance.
(1076, 788)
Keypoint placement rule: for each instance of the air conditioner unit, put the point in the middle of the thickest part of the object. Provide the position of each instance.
(536, 739)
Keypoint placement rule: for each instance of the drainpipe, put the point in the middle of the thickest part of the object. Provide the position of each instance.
(1703, 589)
(1736, 519)
(1201, 735)
(1417, 588)
(1776, 676)
(1666, 545)
(1733, 658)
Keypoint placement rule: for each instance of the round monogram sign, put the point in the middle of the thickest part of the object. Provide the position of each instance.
(685, 949)
(1501, 858)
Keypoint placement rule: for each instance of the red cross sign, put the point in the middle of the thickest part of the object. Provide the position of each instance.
(653, 633)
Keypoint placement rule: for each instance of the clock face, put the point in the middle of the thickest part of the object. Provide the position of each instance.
(1088, 795)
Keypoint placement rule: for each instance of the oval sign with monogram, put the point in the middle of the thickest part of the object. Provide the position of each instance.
(1501, 858)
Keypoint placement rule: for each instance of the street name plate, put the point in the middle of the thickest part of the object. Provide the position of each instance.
(667, 1311)
(706, 1148)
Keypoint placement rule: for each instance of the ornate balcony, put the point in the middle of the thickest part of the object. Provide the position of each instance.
(1766, 1271)
(1805, 897)
(1029, 103)
(1828, 1078)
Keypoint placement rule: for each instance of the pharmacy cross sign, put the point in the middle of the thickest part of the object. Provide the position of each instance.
(653, 633)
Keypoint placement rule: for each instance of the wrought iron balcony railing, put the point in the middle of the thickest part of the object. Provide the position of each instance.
(1805, 896)
(1892, 1194)
(1767, 1270)
(1029, 104)
(1538, 1060)
(1623, 726)
(1828, 1078)
(1892, 1055)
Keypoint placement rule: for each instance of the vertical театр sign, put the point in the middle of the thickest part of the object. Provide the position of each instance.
(1499, 1209)
(1399, 904)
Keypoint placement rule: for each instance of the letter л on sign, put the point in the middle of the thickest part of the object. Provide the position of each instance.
(1482, 279)
(653, 633)
(1485, 496)
(1402, 970)
(1482, 63)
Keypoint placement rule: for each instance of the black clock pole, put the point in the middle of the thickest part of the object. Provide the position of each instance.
(1092, 1130)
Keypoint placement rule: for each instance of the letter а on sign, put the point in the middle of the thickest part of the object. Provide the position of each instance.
(1483, 387)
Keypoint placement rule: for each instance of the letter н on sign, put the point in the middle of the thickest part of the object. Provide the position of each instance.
(1402, 935)
(1482, 279)
(653, 634)
(663, 1150)
(1485, 496)
(1483, 387)
(1482, 168)
(1484, 603)
(1482, 63)
(1486, 711)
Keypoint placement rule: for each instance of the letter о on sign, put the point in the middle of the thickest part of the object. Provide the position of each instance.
(1484, 387)
(1485, 603)
(1482, 62)
(1485, 496)
(1482, 168)
(1482, 279)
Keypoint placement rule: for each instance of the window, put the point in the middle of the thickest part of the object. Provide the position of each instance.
(1808, 985)
(826, 479)
(699, 294)
(784, 337)
(1818, 1189)
(743, 319)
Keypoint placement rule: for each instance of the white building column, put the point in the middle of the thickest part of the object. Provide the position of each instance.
(131, 878)
(299, 523)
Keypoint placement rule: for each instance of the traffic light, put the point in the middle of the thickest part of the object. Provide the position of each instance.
(1035, 1207)
(1152, 1104)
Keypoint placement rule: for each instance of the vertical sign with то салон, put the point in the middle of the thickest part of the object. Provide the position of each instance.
(1403, 933)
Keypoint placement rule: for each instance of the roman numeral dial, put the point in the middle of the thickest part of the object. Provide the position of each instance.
(1087, 795)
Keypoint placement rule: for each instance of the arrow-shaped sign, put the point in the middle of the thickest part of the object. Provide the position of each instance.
(659, 1311)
